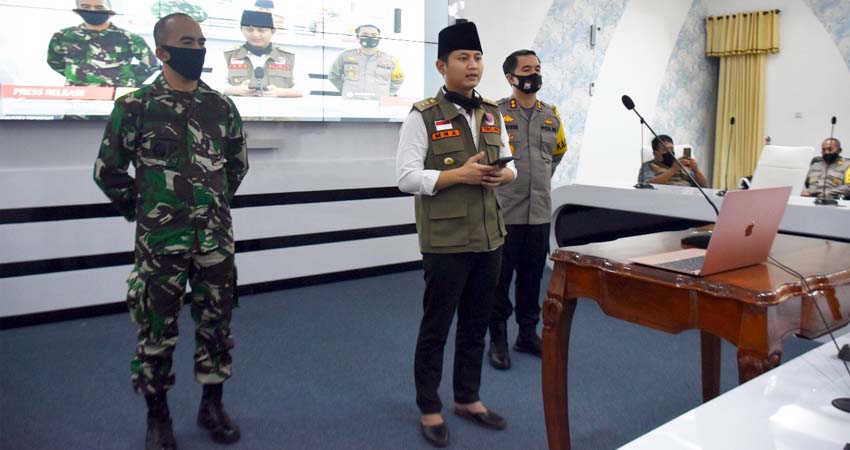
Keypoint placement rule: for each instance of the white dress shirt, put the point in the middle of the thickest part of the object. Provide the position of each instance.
(411, 175)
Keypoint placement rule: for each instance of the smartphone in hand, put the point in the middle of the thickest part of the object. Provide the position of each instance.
(502, 162)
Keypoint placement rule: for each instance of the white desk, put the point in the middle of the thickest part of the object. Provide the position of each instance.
(801, 217)
(786, 408)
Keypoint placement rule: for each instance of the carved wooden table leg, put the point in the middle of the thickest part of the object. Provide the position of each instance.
(557, 319)
(753, 363)
(710, 346)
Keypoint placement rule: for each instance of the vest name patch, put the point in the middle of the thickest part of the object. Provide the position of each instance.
(496, 130)
(444, 134)
(279, 67)
(238, 66)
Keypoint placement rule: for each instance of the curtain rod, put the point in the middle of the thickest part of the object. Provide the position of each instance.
(727, 16)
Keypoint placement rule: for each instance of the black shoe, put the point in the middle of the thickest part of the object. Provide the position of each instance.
(487, 419)
(498, 354)
(436, 435)
(212, 416)
(530, 344)
(160, 435)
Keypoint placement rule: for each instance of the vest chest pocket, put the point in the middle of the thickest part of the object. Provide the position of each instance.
(550, 141)
(493, 143)
(161, 147)
(352, 71)
(448, 227)
(448, 153)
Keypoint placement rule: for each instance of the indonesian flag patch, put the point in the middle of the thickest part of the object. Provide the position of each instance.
(443, 125)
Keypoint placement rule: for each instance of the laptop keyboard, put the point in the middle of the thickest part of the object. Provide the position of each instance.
(686, 265)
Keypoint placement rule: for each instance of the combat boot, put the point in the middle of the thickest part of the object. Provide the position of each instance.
(212, 416)
(499, 357)
(528, 341)
(160, 435)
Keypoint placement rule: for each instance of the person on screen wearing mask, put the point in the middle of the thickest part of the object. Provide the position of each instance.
(662, 169)
(536, 135)
(446, 150)
(97, 53)
(188, 149)
(258, 68)
(366, 72)
(830, 168)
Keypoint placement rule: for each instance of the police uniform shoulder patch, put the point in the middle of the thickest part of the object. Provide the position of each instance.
(425, 104)
(234, 48)
(489, 102)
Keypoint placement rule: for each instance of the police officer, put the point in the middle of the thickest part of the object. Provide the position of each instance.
(366, 72)
(257, 67)
(831, 169)
(662, 169)
(162, 8)
(446, 147)
(188, 149)
(97, 53)
(536, 135)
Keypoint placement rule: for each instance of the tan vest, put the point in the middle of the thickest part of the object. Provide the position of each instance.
(278, 68)
(460, 218)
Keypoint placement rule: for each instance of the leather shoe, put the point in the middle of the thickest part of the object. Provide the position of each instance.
(487, 419)
(532, 345)
(436, 435)
(499, 357)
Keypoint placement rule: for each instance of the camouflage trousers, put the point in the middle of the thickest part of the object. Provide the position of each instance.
(157, 287)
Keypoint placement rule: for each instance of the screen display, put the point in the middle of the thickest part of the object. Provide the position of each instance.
(321, 60)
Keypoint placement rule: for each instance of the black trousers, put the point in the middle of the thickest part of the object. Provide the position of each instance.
(525, 252)
(462, 282)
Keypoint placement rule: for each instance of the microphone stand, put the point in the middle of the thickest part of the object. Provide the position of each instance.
(642, 184)
(723, 192)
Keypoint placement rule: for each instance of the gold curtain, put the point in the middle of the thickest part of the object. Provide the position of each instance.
(742, 41)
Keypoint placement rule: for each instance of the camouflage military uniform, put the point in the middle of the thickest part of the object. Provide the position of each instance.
(837, 177)
(357, 74)
(162, 8)
(100, 58)
(190, 156)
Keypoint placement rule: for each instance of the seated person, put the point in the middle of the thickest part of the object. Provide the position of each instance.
(366, 72)
(663, 168)
(830, 168)
(257, 68)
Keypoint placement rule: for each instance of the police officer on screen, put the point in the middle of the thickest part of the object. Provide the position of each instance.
(188, 149)
(536, 135)
(366, 72)
(446, 147)
(258, 68)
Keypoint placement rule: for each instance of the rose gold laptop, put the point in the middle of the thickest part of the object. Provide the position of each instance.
(744, 232)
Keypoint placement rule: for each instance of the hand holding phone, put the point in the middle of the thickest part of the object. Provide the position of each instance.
(502, 162)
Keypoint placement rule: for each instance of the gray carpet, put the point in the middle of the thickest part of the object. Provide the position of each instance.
(331, 367)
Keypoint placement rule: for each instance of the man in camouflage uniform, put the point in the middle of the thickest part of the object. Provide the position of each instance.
(97, 53)
(536, 136)
(258, 68)
(366, 72)
(162, 8)
(830, 168)
(188, 149)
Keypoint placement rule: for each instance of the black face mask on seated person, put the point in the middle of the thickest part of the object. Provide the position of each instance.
(93, 17)
(188, 62)
(370, 42)
(669, 159)
(830, 158)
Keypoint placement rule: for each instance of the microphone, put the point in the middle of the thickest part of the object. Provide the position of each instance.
(259, 74)
(700, 239)
(642, 184)
(728, 155)
(822, 200)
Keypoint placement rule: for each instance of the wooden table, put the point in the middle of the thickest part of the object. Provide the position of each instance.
(753, 307)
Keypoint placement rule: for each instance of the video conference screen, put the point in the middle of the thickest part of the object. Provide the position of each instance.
(321, 60)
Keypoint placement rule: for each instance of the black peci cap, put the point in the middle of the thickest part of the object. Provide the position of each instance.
(460, 36)
(257, 19)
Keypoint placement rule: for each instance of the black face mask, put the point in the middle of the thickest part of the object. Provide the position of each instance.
(669, 159)
(529, 83)
(257, 50)
(830, 158)
(94, 17)
(466, 103)
(188, 62)
(370, 42)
